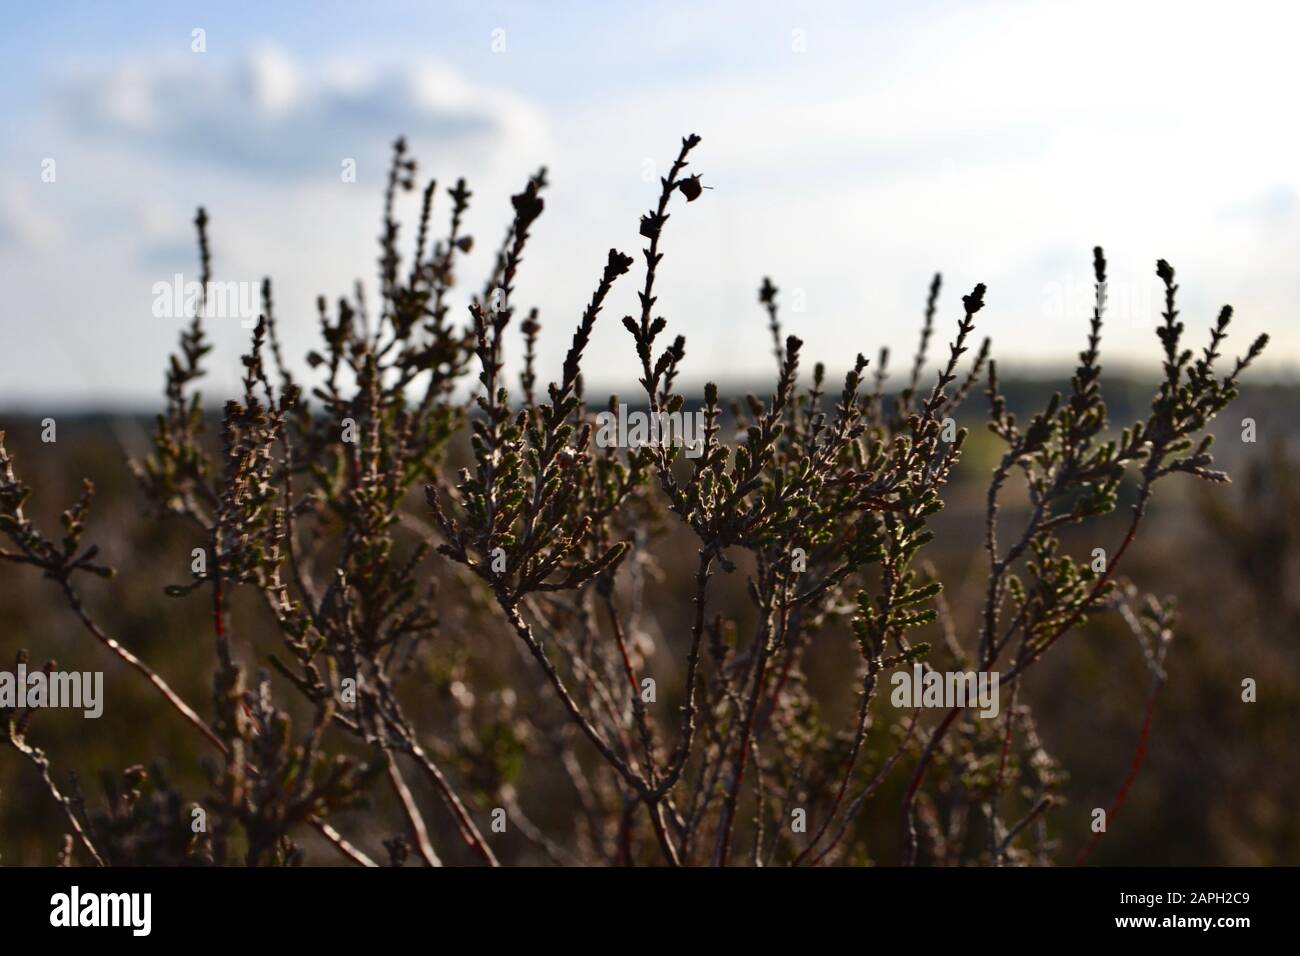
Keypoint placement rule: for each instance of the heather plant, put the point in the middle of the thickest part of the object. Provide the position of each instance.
(343, 507)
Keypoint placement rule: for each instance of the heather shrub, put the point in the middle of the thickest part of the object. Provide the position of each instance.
(393, 532)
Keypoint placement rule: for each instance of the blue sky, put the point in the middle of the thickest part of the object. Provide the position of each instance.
(854, 149)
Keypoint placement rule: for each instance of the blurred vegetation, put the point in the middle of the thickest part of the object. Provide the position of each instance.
(1217, 785)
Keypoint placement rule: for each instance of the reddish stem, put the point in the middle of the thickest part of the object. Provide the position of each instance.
(1138, 756)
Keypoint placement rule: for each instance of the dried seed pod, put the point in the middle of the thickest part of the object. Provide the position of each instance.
(691, 187)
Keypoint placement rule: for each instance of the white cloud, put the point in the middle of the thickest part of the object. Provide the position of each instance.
(266, 115)
(24, 224)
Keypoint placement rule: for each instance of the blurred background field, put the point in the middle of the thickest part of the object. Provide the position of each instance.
(1218, 785)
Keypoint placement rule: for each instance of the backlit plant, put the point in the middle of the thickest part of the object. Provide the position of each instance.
(371, 533)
